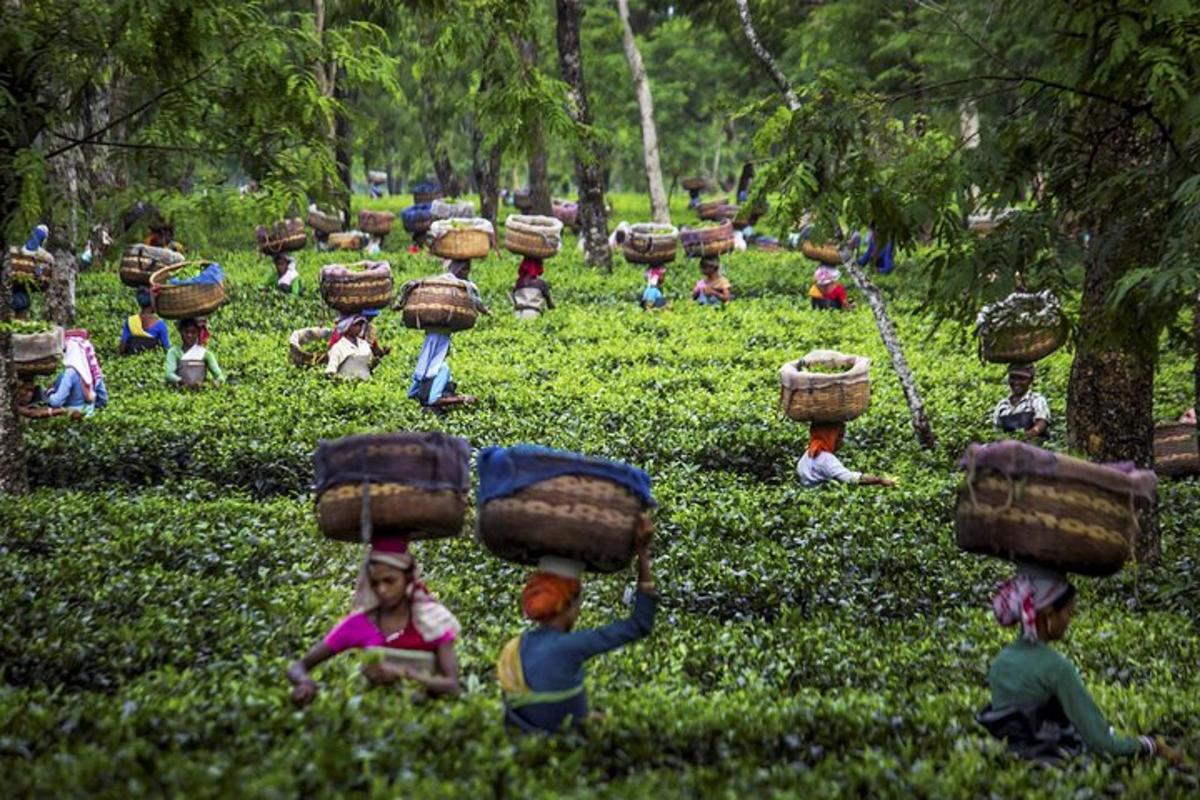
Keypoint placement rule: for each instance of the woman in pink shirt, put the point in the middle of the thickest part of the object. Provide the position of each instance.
(393, 609)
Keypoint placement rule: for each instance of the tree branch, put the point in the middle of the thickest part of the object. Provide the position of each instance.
(781, 80)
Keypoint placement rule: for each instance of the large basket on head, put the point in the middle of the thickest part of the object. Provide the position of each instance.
(442, 302)
(1022, 328)
(347, 240)
(713, 210)
(376, 223)
(826, 254)
(712, 240)
(694, 184)
(1026, 504)
(183, 301)
(461, 238)
(141, 261)
(309, 347)
(426, 193)
(565, 212)
(283, 237)
(442, 209)
(1176, 451)
(321, 221)
(825, 386)
(533, 236)
(417, 219)
(535, 503)
(650, 243)
(354, 287)
(31, 270)
(37, 353)
(376, 177)
(404, 484)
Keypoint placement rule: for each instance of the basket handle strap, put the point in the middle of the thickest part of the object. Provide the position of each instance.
(365, 526)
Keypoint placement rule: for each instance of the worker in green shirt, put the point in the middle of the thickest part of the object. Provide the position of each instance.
(284, 277)
(1039, 705)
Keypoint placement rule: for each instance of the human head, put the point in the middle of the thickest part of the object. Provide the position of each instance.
(145, 300)
(282, 261)
(191, 331)
(352, 326)
(390, 574)
(1020, 378)
(37, 238)
(825, 276)
(825, 437)
(553, 594)
(20, 303)
(1040, 599)
(710, 265)
(459, 268)
(25, 392)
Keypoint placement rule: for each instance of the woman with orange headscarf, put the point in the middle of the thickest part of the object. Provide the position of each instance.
(819, 465)
(530, 295)
(541, 671)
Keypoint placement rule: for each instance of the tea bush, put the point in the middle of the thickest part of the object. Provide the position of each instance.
(820, 643)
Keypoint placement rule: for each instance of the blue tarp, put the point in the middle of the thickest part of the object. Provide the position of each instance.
(210, 274)
(504, 471)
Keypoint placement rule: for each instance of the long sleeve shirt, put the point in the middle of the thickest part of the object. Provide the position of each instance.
(1032, 673)
(157, 331)
(553, 660)
(825, 467)
(175, 355)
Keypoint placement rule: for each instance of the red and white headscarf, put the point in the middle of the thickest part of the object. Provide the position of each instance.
(431, 619)
(1020, 598)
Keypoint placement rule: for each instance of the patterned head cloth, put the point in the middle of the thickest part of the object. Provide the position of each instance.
(1020, 598)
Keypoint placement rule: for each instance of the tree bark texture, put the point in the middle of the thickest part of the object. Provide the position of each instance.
(887, 331)
(60, 294)
(1196, 353)
(659, 209)
(756, 46)
(13, 477)
(485, 168)
(433, 126)
(539, 170)
(589, 173)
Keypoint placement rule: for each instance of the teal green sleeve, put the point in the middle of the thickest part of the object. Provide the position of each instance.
(172, 365)
(1081, 709)
(214, 368)
(295, 288)
(271, 280)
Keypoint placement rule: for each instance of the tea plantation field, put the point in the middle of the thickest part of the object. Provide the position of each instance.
(812, 643)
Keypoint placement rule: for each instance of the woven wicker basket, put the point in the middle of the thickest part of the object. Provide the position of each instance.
(141, 261)
(826, 254)
(24, 268)
(1071, 526)
(376, 177)
(42, 366)
(807, 396)
(1176, 451)
(711, 210)
(301, 357)
(565, 212)
(282, 237)
(460, 239)
(353, 287)
(417, 485)
(425, 193)
(1021, 345)
(349, 241)
(377, 223)
(188, 300)
(587, 519)
(325, 223)
(28, 348)
(714, 241)
(442, 209)
(533, 236)
(439, 303)
(650, 243)
(694, 184)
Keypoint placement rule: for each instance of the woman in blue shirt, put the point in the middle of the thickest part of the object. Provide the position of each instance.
(541, 671)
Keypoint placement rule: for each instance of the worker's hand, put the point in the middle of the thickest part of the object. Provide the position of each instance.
(887, 483)
(381, 672)
(304, 692)
(643, 532)
(1169, 754)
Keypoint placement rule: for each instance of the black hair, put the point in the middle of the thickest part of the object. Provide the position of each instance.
(189, 322)
(1067, 598)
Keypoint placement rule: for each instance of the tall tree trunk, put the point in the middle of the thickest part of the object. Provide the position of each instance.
(589, 173)
(1196, 353)
(433, 127)
(641, 86)
(539, 170)
(887, 331)
(13, 477)
(342, 156)
(60, 294)
(485, 169)
(1110, 396)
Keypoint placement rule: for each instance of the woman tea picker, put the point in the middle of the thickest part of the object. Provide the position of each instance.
(1024, 412)
(530, 295)
(144, 330)
(432, 384)
(193, 351)
(392, 609)
(1038, 702)
(714, 289)
(541, 671)
(827, 293)
(80, 385)
(819, 465)
(284, 277)
(350, 352)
